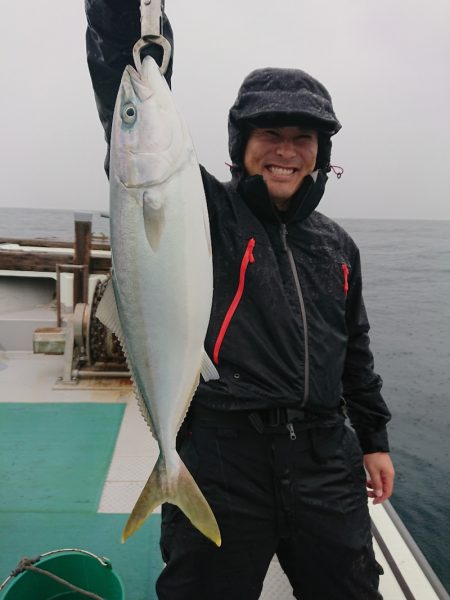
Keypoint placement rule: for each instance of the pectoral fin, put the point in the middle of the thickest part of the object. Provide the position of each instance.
(154, 218)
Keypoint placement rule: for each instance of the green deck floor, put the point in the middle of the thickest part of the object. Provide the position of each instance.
(137, 562)
(54, 459)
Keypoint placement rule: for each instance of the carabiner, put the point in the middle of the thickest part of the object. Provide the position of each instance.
(148, 40)
(152, 12)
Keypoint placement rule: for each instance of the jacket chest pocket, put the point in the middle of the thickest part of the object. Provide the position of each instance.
(328, 280)
(229, 289)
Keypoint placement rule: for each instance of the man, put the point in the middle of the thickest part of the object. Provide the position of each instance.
(267, 443)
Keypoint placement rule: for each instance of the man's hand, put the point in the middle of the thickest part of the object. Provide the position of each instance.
(381, 476)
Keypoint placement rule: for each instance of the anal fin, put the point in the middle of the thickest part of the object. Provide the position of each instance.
(207, 368)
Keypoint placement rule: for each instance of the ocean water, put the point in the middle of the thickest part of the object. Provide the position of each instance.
(58, 225)
(406, 283)
(406, 273)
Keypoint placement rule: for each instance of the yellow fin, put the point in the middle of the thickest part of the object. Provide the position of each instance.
(177, 487)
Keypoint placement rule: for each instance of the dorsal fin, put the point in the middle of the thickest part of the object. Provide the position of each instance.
(108, 314)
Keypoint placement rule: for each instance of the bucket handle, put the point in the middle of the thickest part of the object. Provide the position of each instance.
(105, 562)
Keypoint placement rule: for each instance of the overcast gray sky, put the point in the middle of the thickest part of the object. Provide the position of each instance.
(385, 62)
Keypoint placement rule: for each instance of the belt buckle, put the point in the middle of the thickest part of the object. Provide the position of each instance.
(294, 414)
(277, 416)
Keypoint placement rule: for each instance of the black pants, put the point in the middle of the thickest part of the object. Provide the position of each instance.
(303, 500)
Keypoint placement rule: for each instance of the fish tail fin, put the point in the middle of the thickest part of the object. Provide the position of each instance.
(177, 487)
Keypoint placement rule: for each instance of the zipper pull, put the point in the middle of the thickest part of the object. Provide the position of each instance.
(345, 273)
(283, 236)
(251, 244)
(290, 428)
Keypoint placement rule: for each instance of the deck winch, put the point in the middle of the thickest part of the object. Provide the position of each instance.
(91, 351)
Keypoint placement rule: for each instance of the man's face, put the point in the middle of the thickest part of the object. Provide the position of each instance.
(283, 156)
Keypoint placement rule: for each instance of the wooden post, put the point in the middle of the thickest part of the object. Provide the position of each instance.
(82, 256)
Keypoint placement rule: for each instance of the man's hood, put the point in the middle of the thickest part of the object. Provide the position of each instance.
(282, 97)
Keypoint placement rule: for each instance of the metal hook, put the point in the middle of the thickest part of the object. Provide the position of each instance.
(143, 42)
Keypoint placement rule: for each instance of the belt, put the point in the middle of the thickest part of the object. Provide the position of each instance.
(281, 415)
(262, 419)
(274, 419)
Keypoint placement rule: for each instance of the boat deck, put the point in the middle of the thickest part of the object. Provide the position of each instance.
(29, 378)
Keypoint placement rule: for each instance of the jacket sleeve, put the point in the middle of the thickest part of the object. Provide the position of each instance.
(366, 408)
(113, 29)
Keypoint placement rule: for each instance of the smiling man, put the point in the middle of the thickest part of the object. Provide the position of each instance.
(268, 442)
(283, 156)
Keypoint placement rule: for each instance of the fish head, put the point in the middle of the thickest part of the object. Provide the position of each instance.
(148, 133)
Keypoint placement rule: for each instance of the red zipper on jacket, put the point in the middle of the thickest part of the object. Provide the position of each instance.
(246, 259)
(345, 272)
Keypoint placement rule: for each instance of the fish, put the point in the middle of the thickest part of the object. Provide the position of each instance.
(158, 301)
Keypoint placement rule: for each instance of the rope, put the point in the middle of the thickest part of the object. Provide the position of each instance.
(27, 564)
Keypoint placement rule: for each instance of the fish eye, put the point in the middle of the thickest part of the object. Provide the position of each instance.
(129, 113)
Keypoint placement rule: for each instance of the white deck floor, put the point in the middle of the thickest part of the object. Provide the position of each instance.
(135, 454)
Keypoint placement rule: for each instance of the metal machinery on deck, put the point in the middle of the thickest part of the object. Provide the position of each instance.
(91, 351)
(80, 269)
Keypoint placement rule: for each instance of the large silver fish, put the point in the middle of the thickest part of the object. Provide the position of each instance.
(159, 300)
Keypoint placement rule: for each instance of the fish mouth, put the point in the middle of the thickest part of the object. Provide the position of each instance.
(135, 153)
(171, 169)
(144, 184)
(165, 169)
(136, 186)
